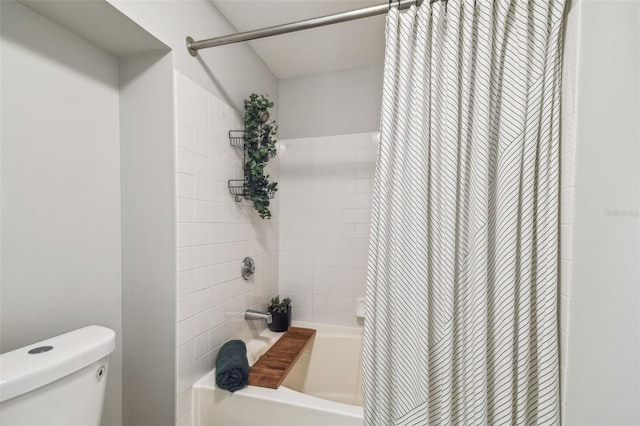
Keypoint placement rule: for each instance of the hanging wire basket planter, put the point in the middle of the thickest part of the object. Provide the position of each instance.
(258, 145)
(236, 139)
(238, 189)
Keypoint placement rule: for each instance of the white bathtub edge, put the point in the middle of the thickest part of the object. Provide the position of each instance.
(282, 394)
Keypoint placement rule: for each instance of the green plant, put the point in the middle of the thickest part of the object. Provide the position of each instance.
(260, 146)
(280, 306)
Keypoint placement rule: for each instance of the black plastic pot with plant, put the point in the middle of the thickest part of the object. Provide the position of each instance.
(280, 314)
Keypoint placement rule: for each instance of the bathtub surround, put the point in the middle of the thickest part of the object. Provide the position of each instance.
(464, 241)
(214, 235)
(325, 204)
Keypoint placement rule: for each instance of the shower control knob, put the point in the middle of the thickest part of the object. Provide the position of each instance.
(248, 268)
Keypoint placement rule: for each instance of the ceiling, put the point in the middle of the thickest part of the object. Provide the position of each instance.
(338, 47)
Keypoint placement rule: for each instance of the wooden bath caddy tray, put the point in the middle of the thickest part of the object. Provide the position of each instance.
(272, 367)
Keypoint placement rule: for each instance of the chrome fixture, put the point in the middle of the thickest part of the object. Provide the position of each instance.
(251, 314)
(193, 46)
(248, 268)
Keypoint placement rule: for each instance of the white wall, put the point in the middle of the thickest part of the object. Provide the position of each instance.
(231, 73)
(214, 234)
(568, 141)
(338, 103)
(60, 187)
(148, 239)
(325, 205)
(604, 347)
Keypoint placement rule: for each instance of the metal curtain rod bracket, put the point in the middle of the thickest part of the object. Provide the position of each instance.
(193, 46)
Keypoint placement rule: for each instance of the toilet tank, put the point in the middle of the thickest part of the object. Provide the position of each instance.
(59, 381)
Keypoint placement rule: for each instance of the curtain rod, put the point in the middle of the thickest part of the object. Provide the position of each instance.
(193, 46)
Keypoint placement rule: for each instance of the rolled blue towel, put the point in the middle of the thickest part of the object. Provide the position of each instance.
(232, 366)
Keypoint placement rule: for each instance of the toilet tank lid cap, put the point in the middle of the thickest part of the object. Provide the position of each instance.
(39, 364)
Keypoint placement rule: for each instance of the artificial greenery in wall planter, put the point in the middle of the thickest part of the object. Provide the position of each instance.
(260, 146)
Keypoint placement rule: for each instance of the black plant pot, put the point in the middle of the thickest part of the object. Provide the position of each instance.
(280, 321)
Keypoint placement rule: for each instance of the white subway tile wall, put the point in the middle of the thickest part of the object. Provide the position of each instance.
(214, 234)
(325, 207)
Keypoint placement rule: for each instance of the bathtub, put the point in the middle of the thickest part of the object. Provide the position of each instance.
(323, 388)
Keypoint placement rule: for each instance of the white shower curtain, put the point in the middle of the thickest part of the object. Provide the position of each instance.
(461, 325)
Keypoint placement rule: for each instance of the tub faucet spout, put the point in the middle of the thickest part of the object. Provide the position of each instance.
(252, 314)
